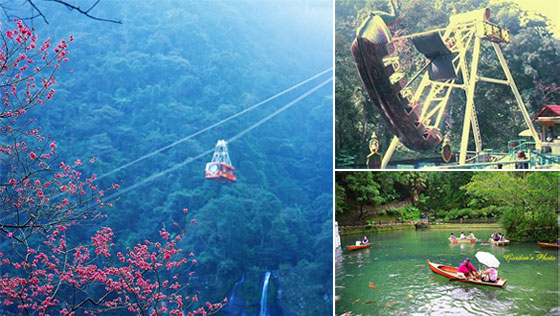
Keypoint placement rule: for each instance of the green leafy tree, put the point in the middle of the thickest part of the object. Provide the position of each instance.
(416, 182)
(532, 200)
(364, 190)
(340, 196)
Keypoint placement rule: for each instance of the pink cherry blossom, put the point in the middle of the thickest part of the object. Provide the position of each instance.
(54, 199)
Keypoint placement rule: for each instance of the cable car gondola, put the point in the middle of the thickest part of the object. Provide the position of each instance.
(220, 168)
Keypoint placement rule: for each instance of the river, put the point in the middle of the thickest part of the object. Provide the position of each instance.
(396, 264)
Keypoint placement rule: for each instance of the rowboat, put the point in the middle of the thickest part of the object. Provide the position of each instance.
(358, 247)
(451, 273)
(458, 240)
(548, 245)
(498, 243)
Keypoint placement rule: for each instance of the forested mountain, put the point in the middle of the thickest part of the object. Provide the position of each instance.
(532, 56)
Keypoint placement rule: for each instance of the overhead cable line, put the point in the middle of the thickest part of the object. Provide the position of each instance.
(232, 139)
(214, 125)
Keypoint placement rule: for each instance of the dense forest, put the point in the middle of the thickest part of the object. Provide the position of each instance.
(524, 203)
(532, 56)
(171, 70)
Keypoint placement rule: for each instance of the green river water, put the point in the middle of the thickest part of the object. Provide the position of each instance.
(396, 264)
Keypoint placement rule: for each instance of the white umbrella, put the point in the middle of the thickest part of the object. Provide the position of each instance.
(487, 259)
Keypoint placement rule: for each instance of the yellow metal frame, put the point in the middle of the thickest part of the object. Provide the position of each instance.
(459, 35)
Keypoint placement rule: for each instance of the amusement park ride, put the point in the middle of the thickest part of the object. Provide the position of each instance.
(220, 168)
(416, 116)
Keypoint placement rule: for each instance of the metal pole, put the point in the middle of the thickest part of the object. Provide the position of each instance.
(443, 104)
(470, 103)
(423, 84)
(417, 34)
(518, 98)
(476, 131)
(416, 75)
(394, 142)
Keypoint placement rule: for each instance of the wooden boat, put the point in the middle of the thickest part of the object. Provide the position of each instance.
(358, 247)
(458, 240)
(498, 243)
(548, 245)
(451, 273)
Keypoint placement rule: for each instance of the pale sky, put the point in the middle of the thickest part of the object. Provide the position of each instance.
(548, 8)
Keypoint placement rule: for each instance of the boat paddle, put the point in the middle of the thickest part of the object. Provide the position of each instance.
(458, 279)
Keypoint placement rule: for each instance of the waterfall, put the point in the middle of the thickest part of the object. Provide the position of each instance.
(237, 284)
(264, 311)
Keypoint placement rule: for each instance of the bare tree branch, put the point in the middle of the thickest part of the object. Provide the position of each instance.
(37, 13)
(85, 12)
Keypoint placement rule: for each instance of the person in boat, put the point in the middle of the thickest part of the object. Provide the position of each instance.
(497, 237)
(502, 237)
(489, 275)
(463, 235)
(358, 242)
(494, 235)
(466, 269)
(452, 236)
(365, 241)
(471, 236)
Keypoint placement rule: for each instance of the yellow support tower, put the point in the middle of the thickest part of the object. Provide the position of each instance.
(464, 36)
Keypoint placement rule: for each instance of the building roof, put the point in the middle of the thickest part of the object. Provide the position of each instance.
(548, 110)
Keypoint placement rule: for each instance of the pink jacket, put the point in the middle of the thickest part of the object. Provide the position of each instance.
(466, 267)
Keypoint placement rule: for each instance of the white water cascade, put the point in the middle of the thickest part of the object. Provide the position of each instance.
(264, 311)
(230, 299)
